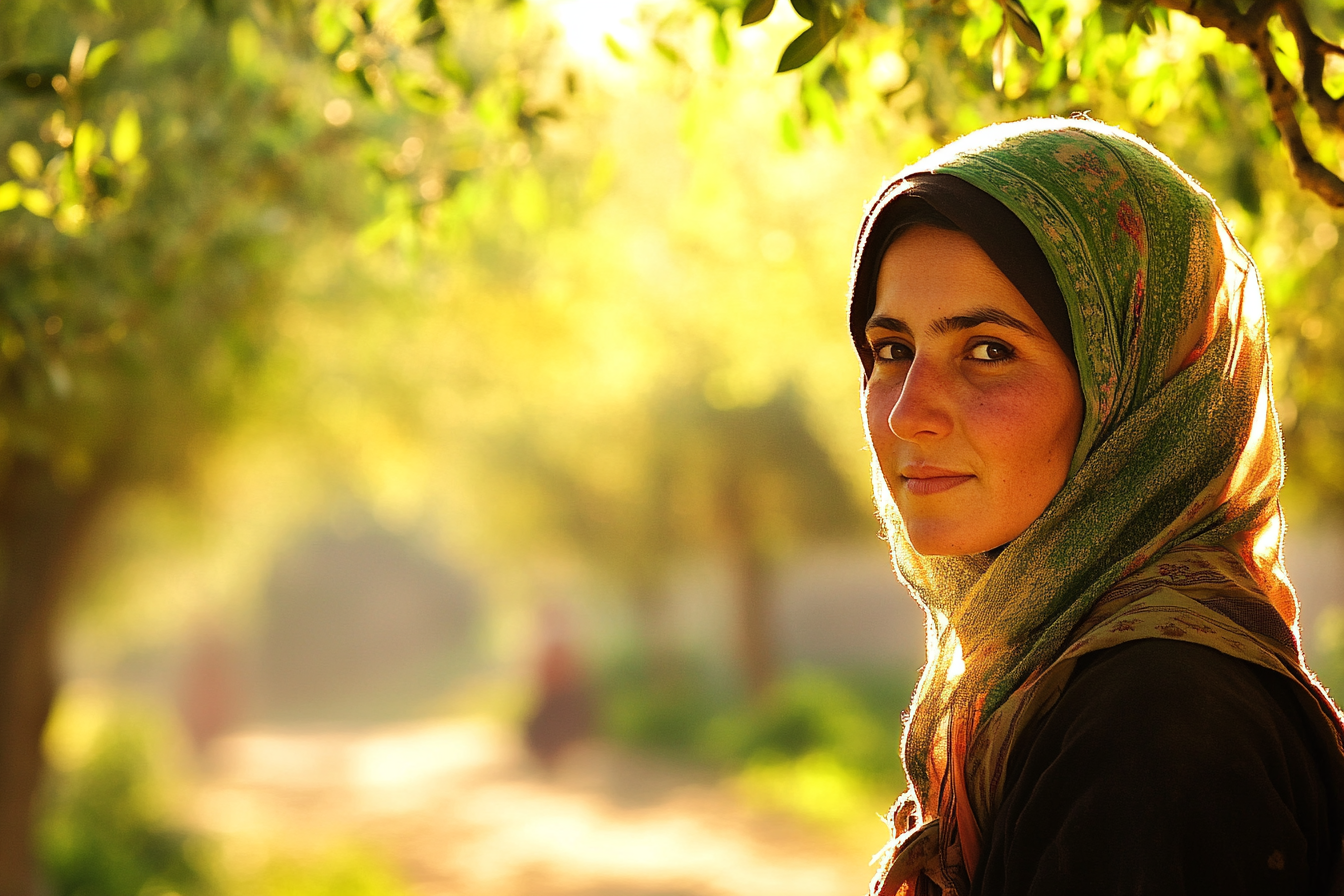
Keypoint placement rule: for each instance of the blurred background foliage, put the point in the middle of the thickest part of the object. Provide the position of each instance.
(551, 293)
(108, 828)
(112, 821)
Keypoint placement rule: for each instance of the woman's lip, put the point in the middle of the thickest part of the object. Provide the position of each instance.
(932, 485)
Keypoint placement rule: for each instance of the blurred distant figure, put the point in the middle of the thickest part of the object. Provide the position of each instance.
(564, 710)
(208, 699)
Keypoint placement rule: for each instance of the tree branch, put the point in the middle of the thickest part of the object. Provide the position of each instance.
(1312, 50)
(1283, 96)
(1245, 28)
(1251, 30)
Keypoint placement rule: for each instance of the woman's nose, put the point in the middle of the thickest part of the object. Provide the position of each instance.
(923, 409)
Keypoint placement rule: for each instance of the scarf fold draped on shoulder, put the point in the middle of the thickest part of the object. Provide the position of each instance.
(1168, 525)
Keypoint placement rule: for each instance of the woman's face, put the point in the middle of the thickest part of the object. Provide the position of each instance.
(973, 409)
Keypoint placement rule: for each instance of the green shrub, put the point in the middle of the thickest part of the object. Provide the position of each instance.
(664, 710)
(103, 830)
(807, 713)
(342, 871)
(106, 826)
(851, 718)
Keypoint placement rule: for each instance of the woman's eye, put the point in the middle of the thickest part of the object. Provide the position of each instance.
(991, 351)
(893, 351)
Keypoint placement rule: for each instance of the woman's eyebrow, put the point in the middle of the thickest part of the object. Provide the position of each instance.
(978, 316)
(888, 323)
(973, 318)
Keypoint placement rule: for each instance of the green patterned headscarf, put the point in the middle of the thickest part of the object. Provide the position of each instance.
(1179, 452)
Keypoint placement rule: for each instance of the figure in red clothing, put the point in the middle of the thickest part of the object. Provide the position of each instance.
(209, 699)
(564, 709)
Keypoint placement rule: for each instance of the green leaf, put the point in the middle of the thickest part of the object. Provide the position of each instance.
(98, 57)
(1140, 15)
(999, 56)
(244, 44)
(805, 8)
(529, 201)
(722, 49)
(38, 202)
(833, 82)
(432, 24)
(789, 133)
(126, 135)
(363, 81)
(667, 51)
(1022, 25)
(821, 109)
(804, 48)
(67, 178)
(72, 219)
(88, 145)
(881, 11)
(11, 193)
(25, 160)
(329, 31)
(757, 11)
(614, 47)
(826, 24)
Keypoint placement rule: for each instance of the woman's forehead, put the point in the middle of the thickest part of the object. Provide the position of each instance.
(929, 275)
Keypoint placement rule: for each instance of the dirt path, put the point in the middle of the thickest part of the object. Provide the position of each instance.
(464, 812)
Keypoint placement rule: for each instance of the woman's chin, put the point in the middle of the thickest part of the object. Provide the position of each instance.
(938, 545)
(949, 542)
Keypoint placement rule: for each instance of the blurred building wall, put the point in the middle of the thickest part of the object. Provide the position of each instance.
(841, 604)
(834, 604)
(358, 627)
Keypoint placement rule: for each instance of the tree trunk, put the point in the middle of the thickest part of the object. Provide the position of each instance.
(40, 525)
(651, 612)
(751, 585)
(754, 620)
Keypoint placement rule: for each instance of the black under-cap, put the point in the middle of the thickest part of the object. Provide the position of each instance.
(947, 201)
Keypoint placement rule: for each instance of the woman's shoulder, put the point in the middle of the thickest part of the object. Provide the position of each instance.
(1165, 762)
(1181, 690)
(1152, 719)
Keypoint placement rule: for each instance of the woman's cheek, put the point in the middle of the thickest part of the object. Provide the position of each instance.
(1004, 411)
(1017, 422)
(878, 399)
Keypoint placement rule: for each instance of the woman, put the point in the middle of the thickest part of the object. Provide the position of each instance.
(1077, 461)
